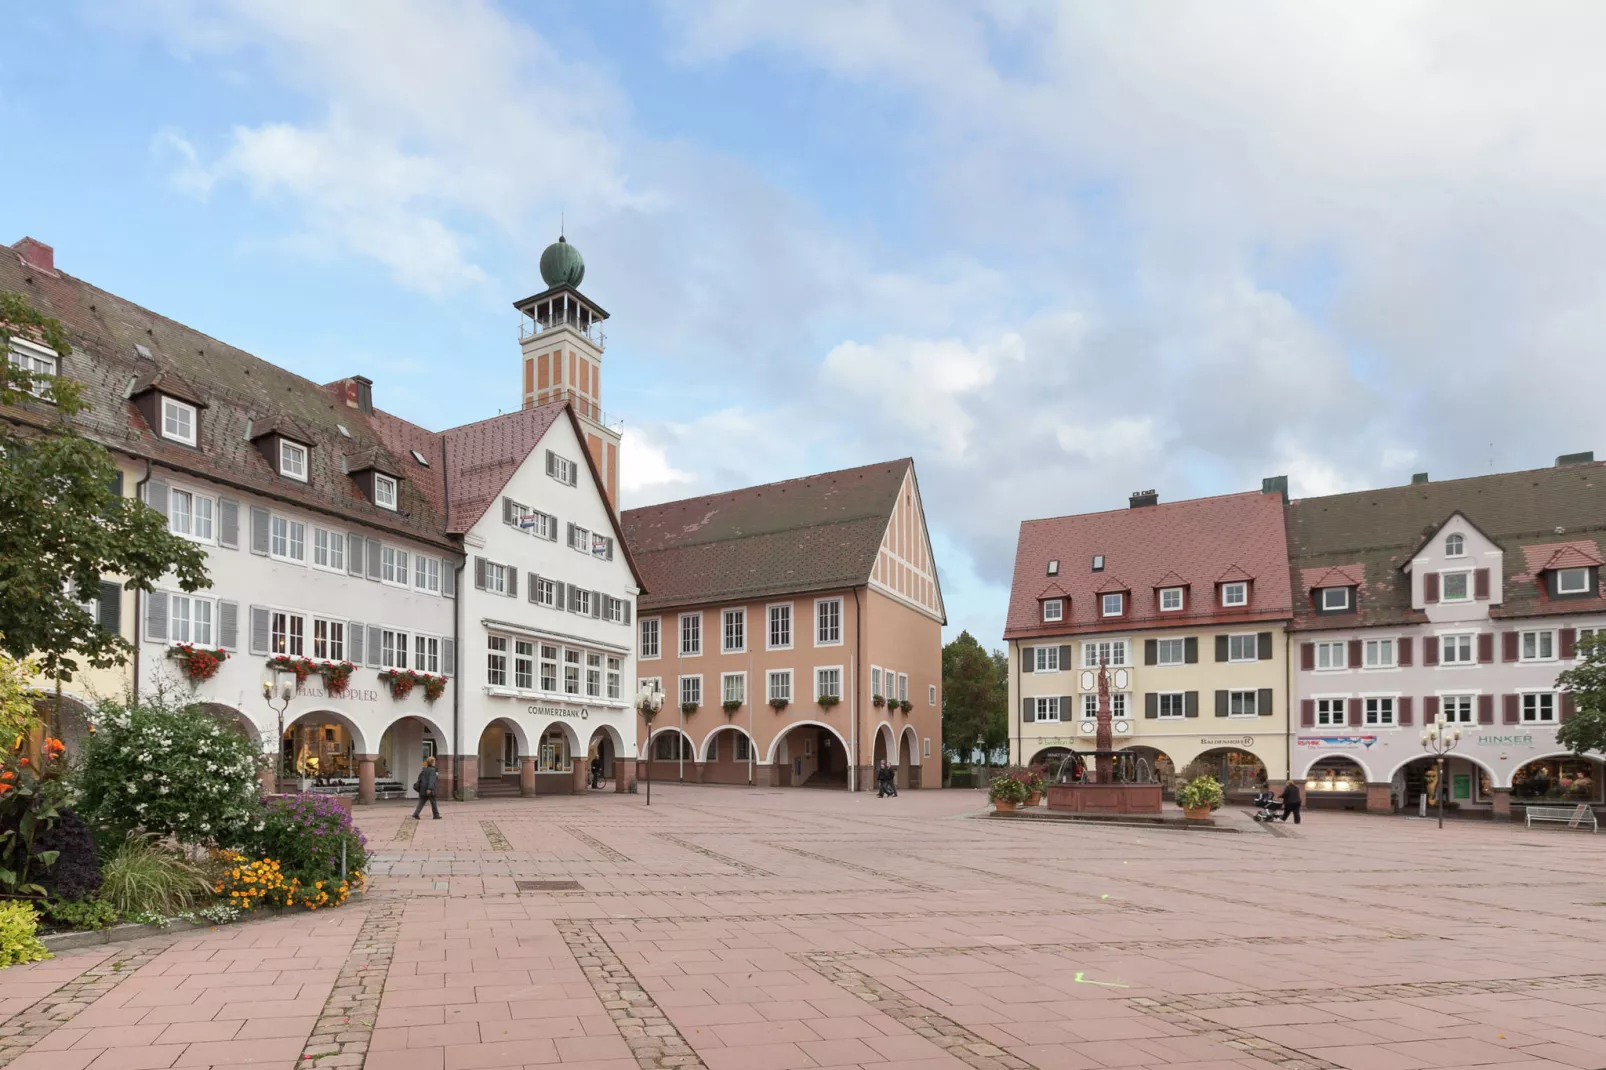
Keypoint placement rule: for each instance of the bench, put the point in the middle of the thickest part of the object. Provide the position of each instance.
(1574, 817)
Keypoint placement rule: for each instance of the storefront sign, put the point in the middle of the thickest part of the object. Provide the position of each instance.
(559, 711)
(1505, 741)
(350, 694)
(1227, 741)
(1334, 741)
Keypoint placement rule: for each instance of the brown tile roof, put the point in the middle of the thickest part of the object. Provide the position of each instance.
(1528, 514)
(817, 533)
(1194, 543)
(484, 455)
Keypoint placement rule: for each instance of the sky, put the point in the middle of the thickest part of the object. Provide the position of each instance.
(1055, 252)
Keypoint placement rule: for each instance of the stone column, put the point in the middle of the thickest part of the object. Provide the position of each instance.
(527, 774)
(365, 778)
(468, 776)
(624, 773)
(582, 775)
(1379, 799)
(268, 781)
(443, 776)
(702, 771)
(1502, 803)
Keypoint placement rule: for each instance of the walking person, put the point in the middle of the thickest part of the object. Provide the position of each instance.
(1293, 801)
(425, 785)
(881, 779)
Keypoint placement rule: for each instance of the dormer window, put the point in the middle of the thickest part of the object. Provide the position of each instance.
(1572, 581)
(1234, 595)
(1098, 562)
(1170, 599)
(1112, 605)
(1335, 599)
(1053, 609)
(1053, 568)
(384, 491)
(33, 358)
(292, 460)
(178, 421)
(1455, 586)
(1455, 546)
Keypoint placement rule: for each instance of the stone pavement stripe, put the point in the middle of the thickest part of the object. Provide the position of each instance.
(61, 1006)
(1092, 944)
(595, 844)
(650, 1035)
(494, 836)
(1230, 1036)
(340, 1038)
(1364, 993)
(1014, 877)
(734, 863)
(404, 831)
(891, 878)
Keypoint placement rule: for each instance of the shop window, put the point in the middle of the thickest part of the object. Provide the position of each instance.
(555, 757)
(1335, 775)
(1574, 780)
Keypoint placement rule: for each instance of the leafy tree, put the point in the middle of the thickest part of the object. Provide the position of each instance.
(62, 523)
(975, 694)
(1586, 729)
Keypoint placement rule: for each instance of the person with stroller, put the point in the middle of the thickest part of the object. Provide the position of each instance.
(1293, 801)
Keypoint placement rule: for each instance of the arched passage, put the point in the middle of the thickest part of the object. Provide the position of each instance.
(1241, 772)
(604, 746)
(885, 748)
(1152, 763)
(909, 758)
(671, 755)
(809, 754)
(1559, 780)
(1467, 783)
(728, 756)
(502, 742)
(1336, 781)
(403, 746)
(319, 750)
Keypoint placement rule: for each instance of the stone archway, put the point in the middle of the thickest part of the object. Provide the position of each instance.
(1336, 781)
(809, 754)
(1559, 780)
(1242, 773)
(728, 756)
(497, 754)
(909, 758)
(320, 750)
(670, 755)
(404, 744)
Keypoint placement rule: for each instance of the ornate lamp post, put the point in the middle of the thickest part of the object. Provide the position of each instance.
(1440, 739)
(649, 700)
(278, 688)
(981, 748)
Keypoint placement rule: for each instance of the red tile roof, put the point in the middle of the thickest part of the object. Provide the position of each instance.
(483, 457)
(1190, 542)
(1556, 555)
(1332, 576)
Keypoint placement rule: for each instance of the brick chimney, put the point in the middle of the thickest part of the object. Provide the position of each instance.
(1141, 498)
(360, 393)
(37, 255)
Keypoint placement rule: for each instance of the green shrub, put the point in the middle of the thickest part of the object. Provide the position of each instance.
(169, 769)
(19, 935)
(1199, 792)
(145, 877)
(82, 913)
(75, 873)
(1008, 789)
(304, 834)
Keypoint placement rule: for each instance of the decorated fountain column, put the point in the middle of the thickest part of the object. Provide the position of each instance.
(1104, 741)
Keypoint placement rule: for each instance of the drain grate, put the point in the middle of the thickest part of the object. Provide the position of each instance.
(548, 886)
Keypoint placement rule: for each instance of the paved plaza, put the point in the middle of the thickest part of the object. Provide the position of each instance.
(738, 929)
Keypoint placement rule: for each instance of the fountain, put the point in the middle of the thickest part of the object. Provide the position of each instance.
(1120, 782)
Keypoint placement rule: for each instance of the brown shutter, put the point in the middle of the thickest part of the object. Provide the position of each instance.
(1151, 651)
(1307, 713)
(1569, 705)
(1355, 653)
(1065, 658)
(1190, 650)
(1221, 704)
(1480, 584)
(1028, 710)
(1190, 704)
(1486, 709)
(1508, 646)
(1151, 703)
(1263, 702)
(1355, 712)
(1403, 711)
(1403, 653)
(1512, 708)
(1430, 650)
(1430, 709)
(1430, 587)
(1221, 648)
(1569, 643)
(1028, 660)
(1485, 648)
(1307, 656)
(1263, 646)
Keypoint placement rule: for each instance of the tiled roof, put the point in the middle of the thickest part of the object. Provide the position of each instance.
(484, 455)
(817, 533)
(1561, 555)
(1528, 514)
(1353, 575)
(1193, 542)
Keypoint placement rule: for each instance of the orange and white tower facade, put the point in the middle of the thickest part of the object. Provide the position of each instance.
(561, 335)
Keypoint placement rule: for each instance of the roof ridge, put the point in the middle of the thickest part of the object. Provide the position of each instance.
(1447, 482)
(1127, 510)
(811, 526)
(764, 486)
(500, 416)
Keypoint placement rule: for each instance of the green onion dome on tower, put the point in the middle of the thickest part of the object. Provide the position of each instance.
(562, 265)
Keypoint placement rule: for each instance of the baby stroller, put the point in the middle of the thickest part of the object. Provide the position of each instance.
(1268, 807)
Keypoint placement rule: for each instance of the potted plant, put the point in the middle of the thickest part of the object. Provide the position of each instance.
(1007, 793)
(1034, 781)
(688, 708)
(302, 667)
(1199, 796)
(779, 704)
(877, 701)
(434, 686)
(905, 706)
(400, 682)
(827, 701)
(730, 706)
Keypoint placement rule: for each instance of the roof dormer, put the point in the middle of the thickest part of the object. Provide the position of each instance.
(1171, 593)
(171, 407)
(1235, 589)
(1566, 570)
(378, 476)
(285, 445)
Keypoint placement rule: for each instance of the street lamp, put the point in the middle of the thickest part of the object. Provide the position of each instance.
(278, 688)
(1440, 739)
(649, 700)
(981, 747)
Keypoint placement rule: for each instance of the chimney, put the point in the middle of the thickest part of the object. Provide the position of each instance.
(1575, 458)
(1419, 477)
(1140, 498)
(37, 255)
(1275, 485)
(360, 393)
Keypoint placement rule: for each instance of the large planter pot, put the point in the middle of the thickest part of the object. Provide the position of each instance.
(1034, 799)
(1196, 813)
(1004, 806)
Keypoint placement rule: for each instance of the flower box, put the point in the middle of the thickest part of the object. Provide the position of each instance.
(199, 663)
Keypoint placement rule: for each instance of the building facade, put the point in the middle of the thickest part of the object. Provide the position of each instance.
(1465, 600)
(796, 630)
(1185, 604)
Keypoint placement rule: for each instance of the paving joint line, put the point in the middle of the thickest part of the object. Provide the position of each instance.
(893, 878)
(404, 831)
(493, 836)
(734, 863)
(653, 1040)
(346, 1025)
(50, 1012)
(596, 845)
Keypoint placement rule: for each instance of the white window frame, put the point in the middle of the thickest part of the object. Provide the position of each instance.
(290, 526)
(818, 671)
(431, 583)
(691, 689)
(725, 689)
(736, 615)
(1177, 698)
(1053, 609)
(1375, 718)
(1235, 694)
(561, 470)
(1455, 545)
(495, 578)
(394, 562)
(614, 666)
(1369, 663)
(770, 618)
(498, 661)
(657, 631)
(289, 633)
(546, 592)
(1332, 647)
(573, 671)
(819, 621)
(1046, 658)
(185, 408)
(1090, 706)
(1236, 639)
(1105, 601)
(1241, 588)
(395, 641)
(1337, 713)
(613, 610)
(1178, 645)
(903, 687)
(1120, 705)
(696, 639)
(593, 676)
(1452, 641)
(427, 653)
(931, 694)
(1090, 653)
(288, 449)
(1343, 601)
(1165, 596)
(329, 625)
(549, 657)
(1046, 708)
(1583, 577)
(328, 538)
(580, 601)
(1444, 585)
(191, 602)
(40, 360)
(1537, 694)
(1540, 636)
(1466, 716)
(875, 681)
(385, 491)
(774, 676)
(188, 531)
(524, 665)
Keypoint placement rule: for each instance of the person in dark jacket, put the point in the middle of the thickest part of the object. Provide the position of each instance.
(425, 785)
(1293, 801)
(882, 782)
(596, 771)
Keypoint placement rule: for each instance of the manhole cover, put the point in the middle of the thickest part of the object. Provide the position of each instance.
(548, 886)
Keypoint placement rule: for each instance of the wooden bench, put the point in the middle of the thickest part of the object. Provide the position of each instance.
(1574, 817)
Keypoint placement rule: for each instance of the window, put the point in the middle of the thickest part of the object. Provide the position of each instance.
(1379, 711)
(827, 683)
(555, 757)
(1335, 599)
(34, 358)
(1331, 656)
(1172, 705)
(613, 610)
(875, 681)
(1329, 712)
(1113, 651)
(571, 672)
(903, 687)
(670, 747)
(828, 622)
(649, 637)
(614, 665)
(691, 690)
(1054, 568)
(549, 667)
(561, 469)
(510, 753)
(427, 573)
(1454, 586)
(1378, 654)
(931, 694)
(744, 748)
(1539, 707)
(733, 687)
(1090, 706)
(329, 549)
(1455, 649)
(1047, 709)
(293, 460)
(580, 601)
(1047, 658)
(496, 576)
(733, 639)
(287, 539)
(1110, 605)
(190, 515)
(780, 637)
(1244, 647)
(691, 635)
(524, 665)
(1456, 709)
(1242, 704)
(328, 639)
(393, 649)
(287, 634)
(427, 653)
(1170, 651)
(546, 594)
(1538, 646)
(393, 569)
(1235, 594)
(384, 491)
(532, 521)
(602, 546)
(1053, 609)
(1170, 599)
(178, 419)
(1118, 705)
(779, 685)
(1454, 546)
(1572, 581)
(594, 675)
(1098, 562)
(190, 619)
(496, 660)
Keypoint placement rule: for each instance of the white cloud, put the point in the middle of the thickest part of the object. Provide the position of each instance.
(644, 468)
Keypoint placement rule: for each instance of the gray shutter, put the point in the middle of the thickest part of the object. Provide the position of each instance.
(1221, 648)
(569, 540)
(551, 462)
(1028, 659)
(574, 598)
(532, 583)
(574, 475)
(1066, 665)
(479, 573)
(448, 578)
(1190, 650)
(228, 625)
(1151, 653)
(1151, 704)
(1065, 707)
(354, 557)
(512, 581)
(610, 549)
(259, 531)
(373, 646)
(627, 610)
(156, 496)
(1263, 646)
(228, 523)
(156, 616)
(1263, 702)
(1028, 710)
(596, 603)
(507, 510)
(109, 613)
(354, 644)
(559, 591)
(1190, 704)
(374, 562)
(1221, 704)
(448, 657)
(260, 639)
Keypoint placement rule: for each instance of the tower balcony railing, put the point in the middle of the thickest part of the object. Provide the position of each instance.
(573, 318)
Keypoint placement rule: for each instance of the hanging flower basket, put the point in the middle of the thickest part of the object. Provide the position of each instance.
(400, 682)
(827, 701)
(877, 701)
(302, 667)
(688, 708)
(434, 686)
(730, 706)
(905, 706)
(779, 704)
(336, 675)
(198, 662)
